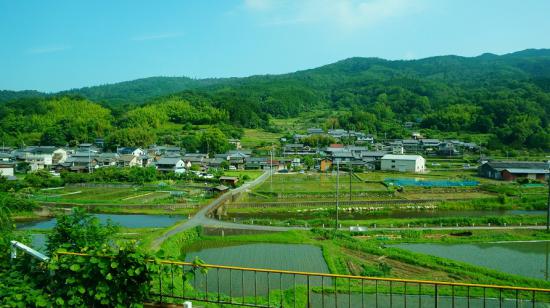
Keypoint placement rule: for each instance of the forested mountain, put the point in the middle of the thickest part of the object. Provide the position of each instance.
(7, 95)
(507, 96)
(138, 91)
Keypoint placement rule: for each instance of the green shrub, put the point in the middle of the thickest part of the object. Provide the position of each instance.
(19, 290)
(78, 231)
(110, 277)
(371, 271)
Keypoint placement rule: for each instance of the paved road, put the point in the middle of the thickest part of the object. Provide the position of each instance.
(200, 218)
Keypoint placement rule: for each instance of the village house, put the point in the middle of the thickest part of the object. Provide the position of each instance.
(297, 149)
(128, 160)
(299, 137)
(229, 180)
(195, 159)
(7, 168)
(164, 151)
(107, 159)
(137, 152)
(145, 160)
(315, 131)
(296, 163)
(40, 157)
(512, 170)
(370, 156)
(362, 138)
(430, 144)
(6, 157)
(6, 150)
(447, 149)
(412, 145)
(235, 158)
(99, 142)
(338, 133)
(403, 163)
(342, 157)
(257, 163)
(171, 164)
(276, 164)
(324, 165)
(236, 143)
(81, 162)
(357, 151)
(85, 147)
(216, 162)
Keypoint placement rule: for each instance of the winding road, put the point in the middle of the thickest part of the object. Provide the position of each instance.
(201, 219)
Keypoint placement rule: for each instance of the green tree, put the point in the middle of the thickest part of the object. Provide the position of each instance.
(213, 141)
(138, 137)
(309, 162)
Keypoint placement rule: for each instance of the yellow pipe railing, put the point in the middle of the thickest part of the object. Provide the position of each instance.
(263, 270)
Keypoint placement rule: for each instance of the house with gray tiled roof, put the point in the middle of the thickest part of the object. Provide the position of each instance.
(512, 170)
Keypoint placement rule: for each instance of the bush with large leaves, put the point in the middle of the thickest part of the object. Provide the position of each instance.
(78, 231)
(111, 277)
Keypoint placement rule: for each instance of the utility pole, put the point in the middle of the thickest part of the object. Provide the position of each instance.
(350, 171)
(337, 191)
(271, 168)
(548, 208)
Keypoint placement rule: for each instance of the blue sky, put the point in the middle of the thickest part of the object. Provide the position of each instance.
(63, 44)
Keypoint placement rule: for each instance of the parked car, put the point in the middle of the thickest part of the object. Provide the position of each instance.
(232, 168)
(283, 171)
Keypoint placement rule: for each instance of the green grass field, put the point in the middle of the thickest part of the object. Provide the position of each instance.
(253, 138)
(315, 182)
(252, 174)
(123, 195)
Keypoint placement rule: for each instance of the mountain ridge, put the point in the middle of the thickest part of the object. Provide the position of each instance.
(526, 63)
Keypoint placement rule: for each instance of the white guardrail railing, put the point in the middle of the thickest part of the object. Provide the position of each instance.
(15, 245)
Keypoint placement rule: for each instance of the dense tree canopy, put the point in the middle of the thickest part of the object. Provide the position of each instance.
(507, 96)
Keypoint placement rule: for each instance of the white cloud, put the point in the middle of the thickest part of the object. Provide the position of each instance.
(343, 14)
(157, 36)
(47, 49)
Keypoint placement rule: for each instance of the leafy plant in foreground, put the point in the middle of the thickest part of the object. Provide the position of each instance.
(108, 278)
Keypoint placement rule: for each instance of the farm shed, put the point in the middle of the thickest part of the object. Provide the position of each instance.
(403, 163)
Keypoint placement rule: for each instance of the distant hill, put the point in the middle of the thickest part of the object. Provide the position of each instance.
(527, 64)
(139, 91)
(7, 95)
(507, 96)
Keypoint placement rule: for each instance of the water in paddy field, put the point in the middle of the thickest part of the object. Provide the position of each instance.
(293, 257)
(530, 259)
(384, 300)
(246, 286)
(124, 220)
